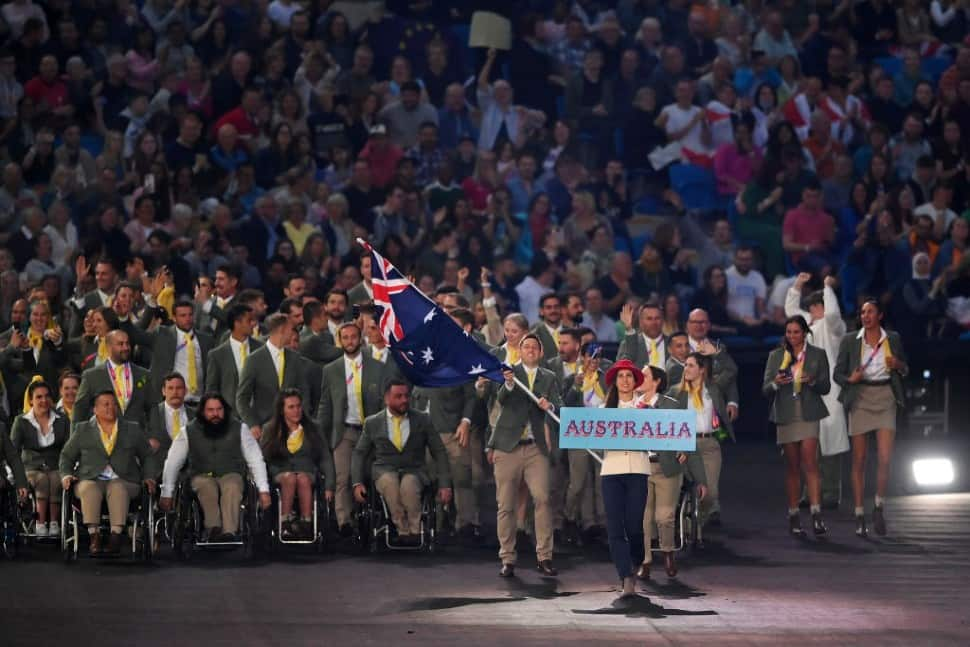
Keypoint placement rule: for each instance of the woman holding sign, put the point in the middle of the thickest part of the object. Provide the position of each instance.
(667, 471)
(699, 393)
(796, 378)
(870, 369)
(624, 476)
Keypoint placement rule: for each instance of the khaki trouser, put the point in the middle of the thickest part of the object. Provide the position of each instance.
(220, 499)
(402, 494)
(342, 454)
(710, 451)
(460, 462)
(663, 492)
(47, 485)
(524, 463)
(584, 497)
(119, 494)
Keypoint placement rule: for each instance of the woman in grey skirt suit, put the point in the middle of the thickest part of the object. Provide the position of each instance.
(796, 378)
(870, 369)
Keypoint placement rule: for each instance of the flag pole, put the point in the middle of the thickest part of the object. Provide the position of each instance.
(535, 399)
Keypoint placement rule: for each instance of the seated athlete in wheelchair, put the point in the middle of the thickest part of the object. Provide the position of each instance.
(298, 456)
(219, 449)
(671, 499)
(166, 421)
(392, 445)
(38, 435)
(105, 458)
(14, 491)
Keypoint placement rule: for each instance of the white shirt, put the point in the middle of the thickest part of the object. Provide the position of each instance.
(236, 347)
(181, 364)
(744, 290)
(876, 370)
(108, 474)
(170, 414)
(44, 440)
(180, 451)
(625, 462)
(706, 415)
(677, 119)
(405, 428)
(530, 291)
(62, 244)
(354, 415)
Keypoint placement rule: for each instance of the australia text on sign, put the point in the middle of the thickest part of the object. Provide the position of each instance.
(627, 429)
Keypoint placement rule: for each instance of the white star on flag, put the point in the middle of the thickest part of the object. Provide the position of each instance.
(427, 355)
(475, 370)
(428, 317)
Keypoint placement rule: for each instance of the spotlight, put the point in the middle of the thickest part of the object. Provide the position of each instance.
(933, 471)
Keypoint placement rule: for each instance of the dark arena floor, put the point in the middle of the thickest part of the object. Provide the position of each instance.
(752, 585)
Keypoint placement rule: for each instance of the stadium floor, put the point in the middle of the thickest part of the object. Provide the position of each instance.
(753, 586)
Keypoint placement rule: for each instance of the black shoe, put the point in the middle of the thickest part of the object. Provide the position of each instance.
(508, 570)
(114, 544)
(570, 532)
(228, 537)
(644, 571)
(346, 531)
(818, 526)
(289, 529)
(879, 521)
(804, 504)
(860, 527)
(303, 528)
(795, 525)
(546, 568)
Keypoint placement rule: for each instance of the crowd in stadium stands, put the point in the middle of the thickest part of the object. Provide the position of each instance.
(159, 156)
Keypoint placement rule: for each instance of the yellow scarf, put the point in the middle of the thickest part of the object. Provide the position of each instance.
(36, 378)
(887, 352)
(102, 350)
(166, 299)
(511, 355)
(591, 383)
(696, 396)
(109, 439)
(294, 442)
(796, 373)
(36, 340)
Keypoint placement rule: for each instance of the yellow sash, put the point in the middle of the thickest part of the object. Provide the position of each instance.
(294, 442)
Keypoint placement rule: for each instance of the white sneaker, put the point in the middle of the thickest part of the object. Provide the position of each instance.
(54, 530)
(40, 530)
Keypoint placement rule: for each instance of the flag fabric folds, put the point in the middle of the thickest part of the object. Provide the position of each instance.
(429, 347)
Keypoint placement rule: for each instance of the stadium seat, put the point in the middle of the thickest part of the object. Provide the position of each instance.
(696, 187)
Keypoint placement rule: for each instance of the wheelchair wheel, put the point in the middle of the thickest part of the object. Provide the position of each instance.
(363, 534)
(688, 519)
(145, 529)
(9, 522)
(250, 519)
(431, 523)
(70, 529)
(186, 528)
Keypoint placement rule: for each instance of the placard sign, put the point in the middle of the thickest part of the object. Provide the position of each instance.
(627, 429)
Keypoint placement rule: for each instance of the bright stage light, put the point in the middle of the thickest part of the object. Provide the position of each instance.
(933, 471)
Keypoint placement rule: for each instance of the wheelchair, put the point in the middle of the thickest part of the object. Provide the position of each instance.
(186, 531)
(686, 524)
(376, 531)
(12, 519)
(323, 515)
(139, 525)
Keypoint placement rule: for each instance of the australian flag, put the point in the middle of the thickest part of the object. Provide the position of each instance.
(428, 346)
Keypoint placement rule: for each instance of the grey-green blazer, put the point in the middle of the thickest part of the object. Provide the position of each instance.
(633, 348)
(84, 456)
(675, 371)
(375, 440)
(163, 343)
(259, 384)
(24, 438)
(782, 409)
(669, 465)
(518, 410)
(221, 375)
(448, 405)
(96, 380)
(717, 398)
(10, 455)
(158, 430)
(850, 358)
(332, 410)
(320, 348)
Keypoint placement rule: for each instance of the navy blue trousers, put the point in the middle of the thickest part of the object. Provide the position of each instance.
(625, 497)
